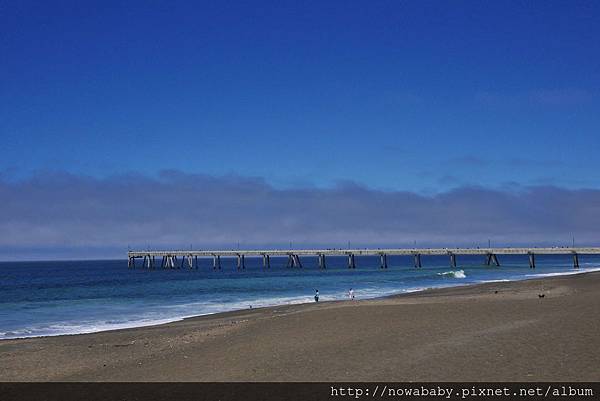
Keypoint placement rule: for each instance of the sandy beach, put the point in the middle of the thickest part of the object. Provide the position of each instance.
(489, 332)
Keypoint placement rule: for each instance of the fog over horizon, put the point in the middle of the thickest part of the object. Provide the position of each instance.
(61, 215)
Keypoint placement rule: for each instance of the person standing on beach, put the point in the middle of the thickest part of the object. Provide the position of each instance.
(351, 294)
(316, 295)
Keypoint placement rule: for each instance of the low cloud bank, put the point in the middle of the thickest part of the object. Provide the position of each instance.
(62, 211)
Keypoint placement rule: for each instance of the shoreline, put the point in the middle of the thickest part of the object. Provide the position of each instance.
(166, 321)
(500, 331)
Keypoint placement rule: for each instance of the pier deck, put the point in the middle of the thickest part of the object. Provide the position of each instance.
(190, 257)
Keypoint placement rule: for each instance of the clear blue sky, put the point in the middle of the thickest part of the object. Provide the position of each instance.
(421, 96)
(317, 122)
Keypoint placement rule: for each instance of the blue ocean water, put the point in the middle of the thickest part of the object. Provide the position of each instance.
(70, 297)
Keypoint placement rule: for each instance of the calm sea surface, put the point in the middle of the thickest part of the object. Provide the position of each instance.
(52, 298)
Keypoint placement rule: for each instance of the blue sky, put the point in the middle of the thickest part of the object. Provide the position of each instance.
(409, 99)
(421, 96)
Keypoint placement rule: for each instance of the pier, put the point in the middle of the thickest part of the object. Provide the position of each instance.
(177, 259)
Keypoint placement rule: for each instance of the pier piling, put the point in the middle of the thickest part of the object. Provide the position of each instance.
(216, 262)
(532, 260)
(452, 260)
(495, 259)
(266, 261)
(383, 261)
(322, 264)
(241, 261)
(492, 258)
(351, 263)
(418, 260)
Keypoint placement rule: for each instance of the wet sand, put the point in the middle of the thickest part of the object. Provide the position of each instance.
(489, 332)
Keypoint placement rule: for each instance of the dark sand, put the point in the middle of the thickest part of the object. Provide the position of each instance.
(495, 332)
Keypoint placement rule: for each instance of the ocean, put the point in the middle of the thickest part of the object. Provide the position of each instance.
(72, 297)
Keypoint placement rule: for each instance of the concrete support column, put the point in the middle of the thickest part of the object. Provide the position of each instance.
(491, 258)
(322, 261)
(351, 263)
(495, 259)
(266, 261)
(532, 260)
(216, 262)
(418, 260)
(452, 260)
(575, 261)
(383, 261)
(297, 261)
(241, 262)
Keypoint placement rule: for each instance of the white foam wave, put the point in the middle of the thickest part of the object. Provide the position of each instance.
(569, 273)
(454, 274)
(174, 313)
(82, 328)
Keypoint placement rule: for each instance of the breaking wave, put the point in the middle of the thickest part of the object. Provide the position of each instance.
(453, 274)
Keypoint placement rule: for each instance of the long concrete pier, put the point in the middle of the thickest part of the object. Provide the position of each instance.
(189, 258)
